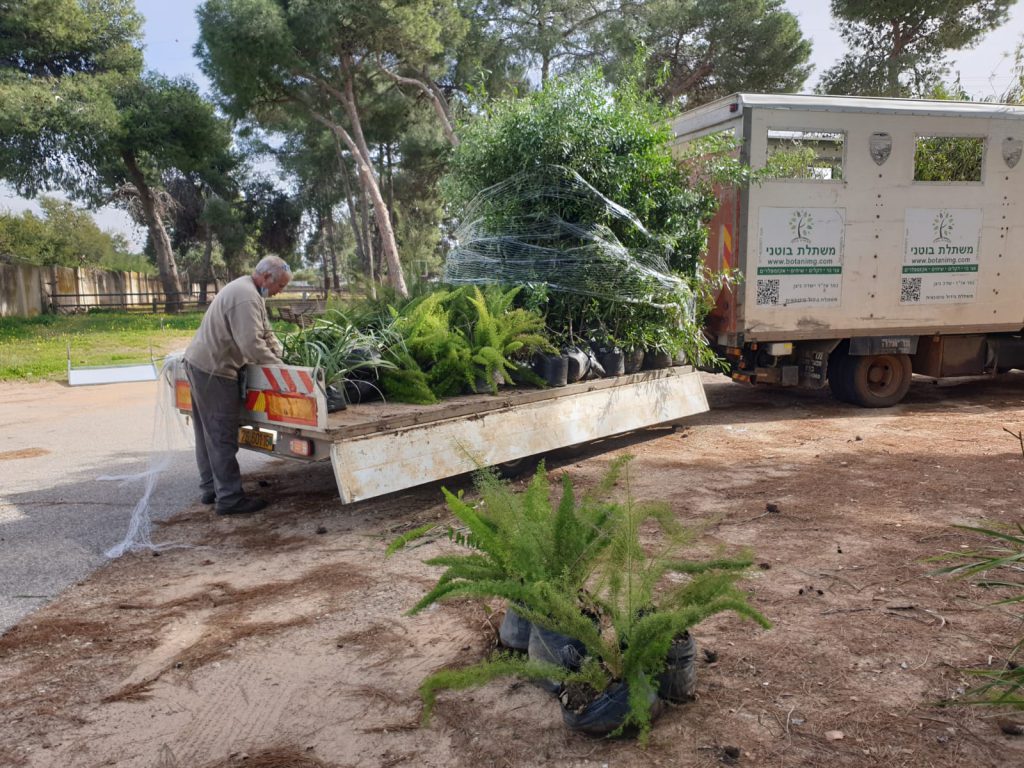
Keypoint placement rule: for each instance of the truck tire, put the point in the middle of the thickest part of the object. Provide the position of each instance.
(876, 381)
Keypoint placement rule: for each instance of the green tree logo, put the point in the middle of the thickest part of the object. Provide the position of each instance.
(801, 224)
(943, 226)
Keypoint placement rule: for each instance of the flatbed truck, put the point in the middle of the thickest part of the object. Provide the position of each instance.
(378, 448)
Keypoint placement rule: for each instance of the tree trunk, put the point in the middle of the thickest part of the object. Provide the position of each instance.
(350, 201)
(372, 185)
(165, 262)
(332, 250)
(207, 271)
(356, 143)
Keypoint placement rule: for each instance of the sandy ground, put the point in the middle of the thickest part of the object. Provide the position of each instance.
(280, 640)
(56, 519)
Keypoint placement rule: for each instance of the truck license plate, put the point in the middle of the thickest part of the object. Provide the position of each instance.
(256, 438)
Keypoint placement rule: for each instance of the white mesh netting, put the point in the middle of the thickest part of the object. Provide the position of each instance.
(171, 434)
(548, 226)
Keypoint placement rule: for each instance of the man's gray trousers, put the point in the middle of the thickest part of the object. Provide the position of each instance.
(215, 419)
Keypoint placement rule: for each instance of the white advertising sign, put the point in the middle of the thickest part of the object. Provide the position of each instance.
(800, 257)
(940, 260)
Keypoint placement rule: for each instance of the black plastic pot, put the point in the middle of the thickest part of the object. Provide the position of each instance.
(335, 399)
(679, 680)
(554, 648)
(613, 362)
(554, 369)
(577, 364)
(514, 631)
(362, 390)
(633, 360)
(605, 713)
(655, 359)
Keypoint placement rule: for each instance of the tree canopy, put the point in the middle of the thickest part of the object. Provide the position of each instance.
(898, 47)
(78, 114)
(694, 51)
(65, 236)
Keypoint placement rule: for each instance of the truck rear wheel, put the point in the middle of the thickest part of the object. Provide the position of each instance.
(873, 381)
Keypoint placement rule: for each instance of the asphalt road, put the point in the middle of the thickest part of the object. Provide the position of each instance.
(56, 518)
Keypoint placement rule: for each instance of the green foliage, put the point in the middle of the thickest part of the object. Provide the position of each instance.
(498, 666)
(36, 347)
(335, 345)
(454, 339)
(615, 141)
(66, 236)
(564, 563)
(693, 51)
(1002, 554)
(898, 47)
(949, 158)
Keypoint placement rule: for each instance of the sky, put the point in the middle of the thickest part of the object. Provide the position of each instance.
(171, 31)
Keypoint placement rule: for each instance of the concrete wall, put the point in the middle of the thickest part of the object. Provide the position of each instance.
(27, 289)
(21, 291)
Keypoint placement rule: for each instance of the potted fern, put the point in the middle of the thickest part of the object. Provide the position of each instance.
(578, 569)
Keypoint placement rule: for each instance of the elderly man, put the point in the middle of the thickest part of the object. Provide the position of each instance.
(234, 333)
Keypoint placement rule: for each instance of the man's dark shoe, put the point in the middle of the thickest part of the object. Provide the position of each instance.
(244, 506)
(209, 497)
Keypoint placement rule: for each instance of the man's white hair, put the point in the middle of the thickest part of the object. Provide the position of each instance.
(272, 266)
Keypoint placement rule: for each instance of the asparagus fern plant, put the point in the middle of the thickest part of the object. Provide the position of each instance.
(564, 563)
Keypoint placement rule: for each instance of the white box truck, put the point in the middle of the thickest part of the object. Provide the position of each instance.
(888, 240)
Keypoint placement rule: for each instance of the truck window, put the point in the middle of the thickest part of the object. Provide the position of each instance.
(949, 158)
(805, 155)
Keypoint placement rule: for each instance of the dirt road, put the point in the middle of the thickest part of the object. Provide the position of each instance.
(56, 518)
(284, 634)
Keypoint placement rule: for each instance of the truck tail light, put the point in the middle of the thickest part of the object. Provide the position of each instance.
(300, 447)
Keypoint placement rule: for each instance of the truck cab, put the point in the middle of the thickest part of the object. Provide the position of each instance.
(883, 237)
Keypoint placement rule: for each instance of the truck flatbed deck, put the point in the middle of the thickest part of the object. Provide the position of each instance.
(378, 448)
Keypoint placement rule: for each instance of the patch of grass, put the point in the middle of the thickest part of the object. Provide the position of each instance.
(36, 347)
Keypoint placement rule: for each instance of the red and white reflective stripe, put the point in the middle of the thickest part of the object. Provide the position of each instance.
(286, 380)
(289, 382)
(270, 378)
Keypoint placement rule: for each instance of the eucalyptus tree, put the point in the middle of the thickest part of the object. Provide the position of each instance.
(268, 57)
(692, 51)
(77, 114)
(898, 47)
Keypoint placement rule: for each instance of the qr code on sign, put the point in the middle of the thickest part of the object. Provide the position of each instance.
(911, 290)
(767, 291)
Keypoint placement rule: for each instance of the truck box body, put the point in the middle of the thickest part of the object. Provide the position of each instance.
(861, 254)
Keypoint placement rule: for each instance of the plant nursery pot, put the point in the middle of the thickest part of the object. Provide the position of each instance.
(514, 631)
(633, 360)
(605, 712)
(362, 391)
(483, 388)
(554, 648)
(679, 680)
(655, 359)
(613, 362)
(554, 369)
(335, 399)
(578, 364)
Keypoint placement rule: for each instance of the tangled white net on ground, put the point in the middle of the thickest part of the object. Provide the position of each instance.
(549, 226)
(170, 435)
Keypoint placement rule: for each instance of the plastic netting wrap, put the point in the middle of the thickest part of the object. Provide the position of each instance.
(170, 435)
(549, 227)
